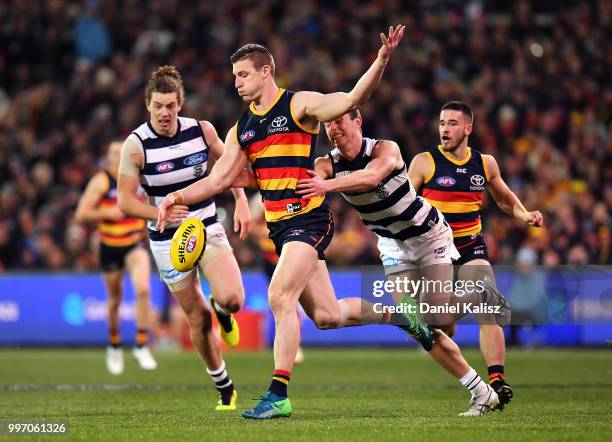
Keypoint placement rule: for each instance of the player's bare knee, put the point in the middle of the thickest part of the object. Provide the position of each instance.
(449, 330)
(232, 302)
(114, 299)
(326, 320)
(142, 294)
(440, 321)
(279, 301)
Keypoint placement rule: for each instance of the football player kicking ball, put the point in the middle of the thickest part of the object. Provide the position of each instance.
(372, 177)
(277, 134)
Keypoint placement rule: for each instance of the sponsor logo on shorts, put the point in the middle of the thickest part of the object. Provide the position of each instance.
(479, 251)
(164, 167)
(196, 158)
(296, 232)
(169, 273)
(446, 181)
(294, 207)
(440, 250)
(390, 262)
(246, 136)
(191, 243)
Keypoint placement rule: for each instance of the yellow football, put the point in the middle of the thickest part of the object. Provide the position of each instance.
(188, 243)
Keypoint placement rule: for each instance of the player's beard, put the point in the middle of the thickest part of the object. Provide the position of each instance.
(457, 144)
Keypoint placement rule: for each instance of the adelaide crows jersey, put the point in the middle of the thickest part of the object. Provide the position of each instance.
(122, 233)
(455, 187)
(281, 151)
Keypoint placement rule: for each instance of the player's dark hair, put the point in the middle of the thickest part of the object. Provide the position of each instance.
(461, 107)
(258, 54)
(165, 80)
(354, 114)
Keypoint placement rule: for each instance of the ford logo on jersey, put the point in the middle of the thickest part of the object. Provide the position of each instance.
(446, 181)
(246, 136)
(164, 167)
(196, 158)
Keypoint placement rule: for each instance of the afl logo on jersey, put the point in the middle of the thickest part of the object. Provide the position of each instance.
(164, 167)
(246, 136)
(196, 158)
(446, 181)
(477, 180)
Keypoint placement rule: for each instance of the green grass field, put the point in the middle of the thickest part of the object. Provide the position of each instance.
(365, 394)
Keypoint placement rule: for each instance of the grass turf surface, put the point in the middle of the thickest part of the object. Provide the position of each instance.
(365, 394)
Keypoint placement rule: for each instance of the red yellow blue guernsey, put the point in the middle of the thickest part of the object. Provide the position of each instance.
(455, 187)
(122, 233)
(281, 150)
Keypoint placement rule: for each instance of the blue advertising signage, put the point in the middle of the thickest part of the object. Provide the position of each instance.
(70, 309)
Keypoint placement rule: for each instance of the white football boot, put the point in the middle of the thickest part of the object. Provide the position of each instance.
(480, 404)
(114, 360)
(145, 358)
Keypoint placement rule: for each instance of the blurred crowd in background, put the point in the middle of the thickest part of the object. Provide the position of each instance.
(537, 75)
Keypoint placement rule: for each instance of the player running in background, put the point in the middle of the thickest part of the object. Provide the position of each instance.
(453, 177)
(372, 177)
(121, 248)
(277, 134)
(165, 154)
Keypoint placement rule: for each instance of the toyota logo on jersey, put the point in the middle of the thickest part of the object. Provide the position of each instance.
(477, 180)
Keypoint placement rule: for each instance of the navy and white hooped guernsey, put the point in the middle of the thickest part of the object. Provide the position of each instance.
(172, 163)
(393, 209)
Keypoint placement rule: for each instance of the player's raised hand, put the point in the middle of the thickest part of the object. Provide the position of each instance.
(390, 42)
(311, 187)
(535, 218)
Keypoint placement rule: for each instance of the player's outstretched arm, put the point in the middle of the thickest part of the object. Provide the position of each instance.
(385, 158)
(325, 107)
(242, 214)
(225, 171)
(246, 178)
(506, 199)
